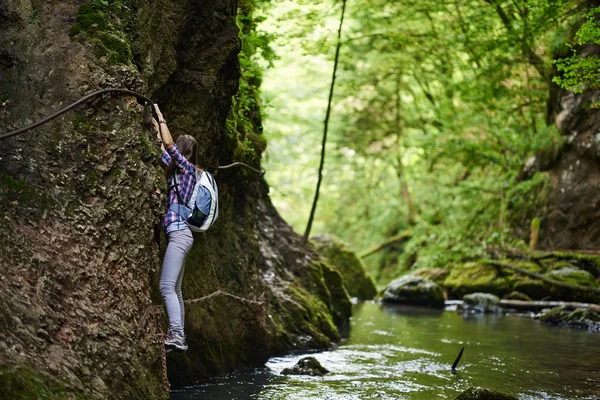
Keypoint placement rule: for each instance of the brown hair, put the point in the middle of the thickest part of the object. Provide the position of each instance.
(188, 147)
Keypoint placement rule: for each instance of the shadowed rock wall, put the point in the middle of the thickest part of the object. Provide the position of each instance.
(81, 199)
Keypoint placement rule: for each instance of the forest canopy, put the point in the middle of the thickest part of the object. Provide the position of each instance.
(438, 109)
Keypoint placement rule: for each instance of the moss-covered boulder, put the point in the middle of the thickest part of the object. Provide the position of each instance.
(477, 393)
(306, 366)
(411, 289)
(473, 277)
(539, 276)
(481, 303)
(573, 275)
(337, 253)
(578, 318)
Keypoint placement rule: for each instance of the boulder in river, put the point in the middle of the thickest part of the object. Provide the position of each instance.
(477, 393)
(412, 289)
(578, 318)
(306, 366)
(336, 252)
(481, 303)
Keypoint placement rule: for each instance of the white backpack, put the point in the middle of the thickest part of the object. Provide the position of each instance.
(196, 220)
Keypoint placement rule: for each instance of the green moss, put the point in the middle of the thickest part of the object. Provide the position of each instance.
(18, 192)
(341, 306)
(90, 19)
(578, 318)
(102, 26)
(22, 383)
(587, 262)
(337, 253)
(482, 277)
(114, 47)
(573, 275)
(476, 277)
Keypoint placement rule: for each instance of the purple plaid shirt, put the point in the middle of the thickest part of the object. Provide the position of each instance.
(187, 181)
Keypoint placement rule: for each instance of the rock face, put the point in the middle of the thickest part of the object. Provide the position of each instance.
(578, 318)
(477, 393)
(81, 200)
(415, 290)
(306, 366)
(568, 205)
(481, 303)
(337, 253)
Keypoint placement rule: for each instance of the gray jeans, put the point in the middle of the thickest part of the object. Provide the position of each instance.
(171, 277)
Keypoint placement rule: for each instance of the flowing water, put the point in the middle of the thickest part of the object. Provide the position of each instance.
(405, 352)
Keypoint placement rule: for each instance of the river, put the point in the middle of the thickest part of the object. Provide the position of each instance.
(401, 352)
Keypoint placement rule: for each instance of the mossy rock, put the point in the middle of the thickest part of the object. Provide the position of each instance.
(578, 318)
(23, 383)
(573, 275)
(476, 277)
(411, 289)
(473, 277)
(438, 275)
(336, 252)
(104, 29)
(481, 303)
(477, 393)
(306, 366)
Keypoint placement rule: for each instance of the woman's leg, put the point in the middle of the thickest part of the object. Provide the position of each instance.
(180, 243)
(180, 296)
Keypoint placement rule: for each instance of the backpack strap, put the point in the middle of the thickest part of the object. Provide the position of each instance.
(180, 209)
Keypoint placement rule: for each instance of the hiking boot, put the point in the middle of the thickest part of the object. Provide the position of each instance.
(176, 341)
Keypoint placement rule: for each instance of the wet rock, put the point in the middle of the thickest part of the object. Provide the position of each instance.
(336, 252)
(477, 393)
(438, 275)
(412, 289)
(481, 303)
(306, 366)
(579, 318)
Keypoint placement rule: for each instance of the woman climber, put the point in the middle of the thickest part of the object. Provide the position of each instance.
(181, 173)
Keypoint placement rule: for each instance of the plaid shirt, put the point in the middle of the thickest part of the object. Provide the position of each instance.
(187, 181)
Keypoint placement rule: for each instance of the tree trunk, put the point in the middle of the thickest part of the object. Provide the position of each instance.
(326, 126)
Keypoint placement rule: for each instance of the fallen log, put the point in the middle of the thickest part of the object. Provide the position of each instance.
(522, 305)
(541, 277)
(537, 305)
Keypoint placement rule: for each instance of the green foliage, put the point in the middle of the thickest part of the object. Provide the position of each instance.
(244, 122)
(34, 19)
(581, 71)
(436, 103)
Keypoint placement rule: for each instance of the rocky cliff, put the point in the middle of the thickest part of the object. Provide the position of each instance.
(81, 200)
(567, 199)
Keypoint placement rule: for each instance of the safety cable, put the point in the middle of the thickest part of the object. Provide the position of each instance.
(143, 100)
